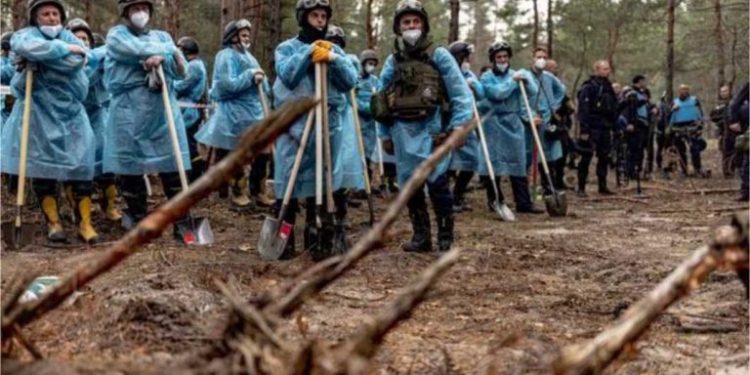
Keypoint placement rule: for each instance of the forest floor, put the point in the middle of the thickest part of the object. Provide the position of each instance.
(520, 292)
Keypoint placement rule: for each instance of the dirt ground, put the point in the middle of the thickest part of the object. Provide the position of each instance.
(521, 291)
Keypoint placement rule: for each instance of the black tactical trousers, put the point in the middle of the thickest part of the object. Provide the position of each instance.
(134, 192)
(601, 140)
(520, 186)
(440, 195)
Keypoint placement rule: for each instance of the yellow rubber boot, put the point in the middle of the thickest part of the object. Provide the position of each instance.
(238, 192)
(85, 229)
(111, 211)
(266, 196)
(55, 232)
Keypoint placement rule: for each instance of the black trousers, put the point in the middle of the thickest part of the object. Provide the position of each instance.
(635, 141)
(440, 195)
(461, 184)
(685, 144)
(601, 140)
(258, 173)
(45, 187)
(133, 190)
(520, 186)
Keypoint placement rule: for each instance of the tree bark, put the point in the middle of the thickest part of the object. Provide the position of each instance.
(720, 57)
(172, 17)
(274, 35)
(671, 4)
(550, 27)
(369, 29)
(19, 14)
(455, 14)
(535, 34)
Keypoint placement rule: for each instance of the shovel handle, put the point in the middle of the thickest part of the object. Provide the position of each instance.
(297, 163)
(318, 136)
(263, 99)
(327, 140)
(172, 129)
(485, 150)
(535, 133)
(21, 193)
(360, 140)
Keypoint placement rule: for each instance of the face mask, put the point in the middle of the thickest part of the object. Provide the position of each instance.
(411, 36)
(369, 68)
(51, 31)
(540, 63)
(466, 67)
(140, 19)
(246, 45)
(501, 67)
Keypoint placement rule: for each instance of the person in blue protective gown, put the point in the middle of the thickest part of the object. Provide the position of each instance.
(137, 139)
(504, 125)
(61, 142)
(295, 62)
(422, 83)
(546, 102)
(349, 157)
(191, 94)
(96, 104)
(467, 158)
(6, 74)
(236, 77)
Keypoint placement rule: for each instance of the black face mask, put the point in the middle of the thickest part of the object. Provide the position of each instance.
(309, 34)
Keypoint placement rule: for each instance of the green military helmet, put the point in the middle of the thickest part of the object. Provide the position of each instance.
(122, 6)
(305, 6)
(233, 28)
(77, 24)
(368, 54)
(460, 50)
(410, 7)
(497, 47)
(33, 5)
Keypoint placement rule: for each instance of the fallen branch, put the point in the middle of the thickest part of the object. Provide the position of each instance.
(683, 210)
(615, 198)
(679, 191)
(354, 354)
(290, 297)
(729, 249)
(252, 143)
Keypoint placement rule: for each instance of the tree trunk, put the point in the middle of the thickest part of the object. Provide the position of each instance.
(455, 12)
(535, 34)
(550, 27)
(733, 61)
(19, 14)
(172, 17)
(229, 11)
(274, 36)
(720, 58)
(671, 4)
(613, 40)
(369, 29)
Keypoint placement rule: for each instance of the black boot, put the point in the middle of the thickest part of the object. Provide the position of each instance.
(421, 241)
(603, 189)
(445, 233)
(340, 244)
(135, 196)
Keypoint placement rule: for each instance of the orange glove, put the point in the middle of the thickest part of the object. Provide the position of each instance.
(320, 55)
(323, 44)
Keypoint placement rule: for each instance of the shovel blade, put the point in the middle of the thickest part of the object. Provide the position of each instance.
(18, 237)
(204, 231)
(195, 231)
(557, 204)
(273, 238)
(503, 211)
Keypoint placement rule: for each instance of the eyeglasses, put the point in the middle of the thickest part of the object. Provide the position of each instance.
(335, 31)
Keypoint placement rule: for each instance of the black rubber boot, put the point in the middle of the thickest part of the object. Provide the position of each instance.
(340, 243)
(445, 233)
(135, 196)
(421, 241)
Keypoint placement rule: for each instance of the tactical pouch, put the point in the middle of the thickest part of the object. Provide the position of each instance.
(379, 108)
(742, 142)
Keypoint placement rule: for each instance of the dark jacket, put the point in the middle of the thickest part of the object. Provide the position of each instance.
(738, 108)
(597, 105)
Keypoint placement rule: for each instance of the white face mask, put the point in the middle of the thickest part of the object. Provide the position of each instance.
(369, 68)
(51, 31)
(411, 36)
(501, 67)
(140, 19)
(466, 66)
(246, 46)
(540, 63)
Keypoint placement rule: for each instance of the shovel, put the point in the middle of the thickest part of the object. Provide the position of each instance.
(557, 202)
(189, 232)
(338, 238)
(17, 233)
(501, 209)
(275, 232)
(361, 144)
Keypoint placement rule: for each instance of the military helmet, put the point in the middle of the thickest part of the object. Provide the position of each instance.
(122, 5)
(336, 35)
(497, 47)
(368, 54)
(460, 50)
(305, 6)
(33, 5)
(188, 45)
(77, 24)
(233, 28)
(6, 40)
(410, 7)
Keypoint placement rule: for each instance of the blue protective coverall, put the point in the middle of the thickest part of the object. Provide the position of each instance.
(191, 89)
(546, 102)
(97, 101)
(61, 142)
(349, 156)
(468, 157)
(237, 98)
(6, 74)
(137, 138)
(503, 125)
(296, 80)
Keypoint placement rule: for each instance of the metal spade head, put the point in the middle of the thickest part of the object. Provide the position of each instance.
(557, 204)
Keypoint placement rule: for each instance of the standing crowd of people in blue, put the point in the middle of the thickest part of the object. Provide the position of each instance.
(98, 121)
